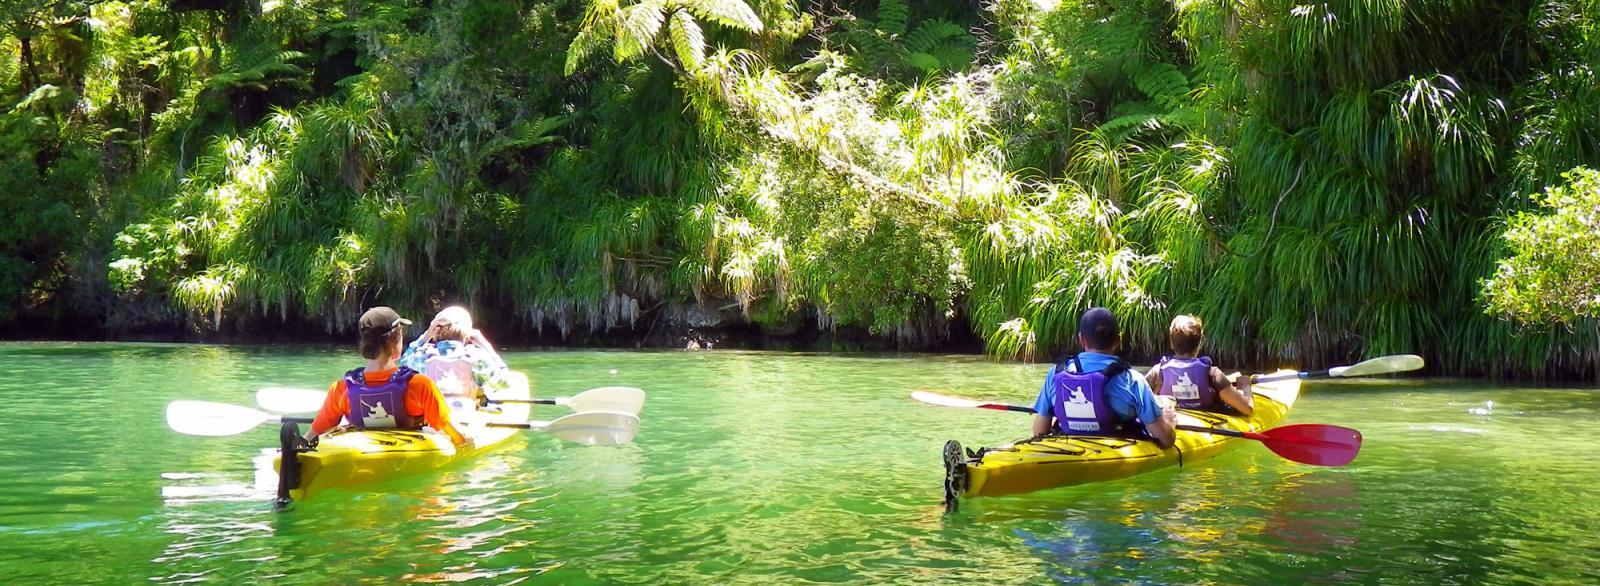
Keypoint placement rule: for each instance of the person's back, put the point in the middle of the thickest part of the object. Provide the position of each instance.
(1095, 393)
(383, 394)
(1190, 379)
(377, 400)
(1080, 399)
(451, 369)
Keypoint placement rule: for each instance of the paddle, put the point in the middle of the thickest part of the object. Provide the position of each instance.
(611, 399)
(1379, 365)
(204, 418)
(209, 419)
(592, 428)
(290, 400)
(627, 400)
(933, 398)
(1307, 443)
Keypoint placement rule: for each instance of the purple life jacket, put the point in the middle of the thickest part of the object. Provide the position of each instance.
(453, 374)
(1081, 406)
(382, 406)
(1189, 381)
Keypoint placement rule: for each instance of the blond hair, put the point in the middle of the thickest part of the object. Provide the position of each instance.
(1185, 335)
(451, 331)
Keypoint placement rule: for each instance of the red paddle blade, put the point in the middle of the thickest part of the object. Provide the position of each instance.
(1315, 444)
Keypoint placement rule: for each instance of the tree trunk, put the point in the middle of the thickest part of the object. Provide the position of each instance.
(240, 14)
(30, 72)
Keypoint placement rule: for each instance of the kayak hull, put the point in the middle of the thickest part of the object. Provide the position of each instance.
(1057, 461)
(350, 459)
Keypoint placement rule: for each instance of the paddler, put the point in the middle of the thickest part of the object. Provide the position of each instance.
(383, 394)
(457, 357)
(1096, 393)
(1190, 379)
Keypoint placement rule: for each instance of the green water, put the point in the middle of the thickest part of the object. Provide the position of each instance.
(774, 468)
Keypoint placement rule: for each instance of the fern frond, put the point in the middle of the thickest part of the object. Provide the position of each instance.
(923, 61)
(584, 44)
(1162, 82)
(729, 13)
(687, 40)
(934, 32)
(892, 17)
(639, 27)
(952, 55)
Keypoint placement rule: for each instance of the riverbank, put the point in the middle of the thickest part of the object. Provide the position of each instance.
(518, 336)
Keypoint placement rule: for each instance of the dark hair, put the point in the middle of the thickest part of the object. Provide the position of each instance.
(1185, 334)
(1101, 340)
(374, 343)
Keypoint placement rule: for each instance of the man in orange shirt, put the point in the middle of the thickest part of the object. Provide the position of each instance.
(382, 395)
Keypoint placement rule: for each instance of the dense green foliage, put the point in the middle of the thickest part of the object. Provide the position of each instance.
(1316, 180)
(1553, 273)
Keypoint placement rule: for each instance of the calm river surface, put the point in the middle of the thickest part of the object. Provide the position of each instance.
(777, 468)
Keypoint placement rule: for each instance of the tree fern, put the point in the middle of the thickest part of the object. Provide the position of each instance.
(637, 28)
(892, 17)
(687, 41)
(734, 14)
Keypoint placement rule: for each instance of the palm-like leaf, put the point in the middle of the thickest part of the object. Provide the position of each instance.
(735, 14)
(687, 40)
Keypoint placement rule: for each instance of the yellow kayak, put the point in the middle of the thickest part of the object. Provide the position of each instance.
(350, 458)
(1054, 461)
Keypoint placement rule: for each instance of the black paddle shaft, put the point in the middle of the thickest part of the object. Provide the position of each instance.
(1215, 430)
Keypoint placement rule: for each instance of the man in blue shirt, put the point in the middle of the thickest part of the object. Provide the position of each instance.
(1126, 394)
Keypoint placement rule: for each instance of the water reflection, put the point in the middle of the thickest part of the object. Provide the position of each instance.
(1314, 512)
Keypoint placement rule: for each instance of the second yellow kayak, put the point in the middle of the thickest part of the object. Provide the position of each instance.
(1054, 461)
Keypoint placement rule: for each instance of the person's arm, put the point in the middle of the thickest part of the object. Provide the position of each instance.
(1043, 407)
(477, 339)
(412, 357)
(333, 408)
(1160, 422)
(490, 372)
(423, 399)
(1042, 424)
(1152, 377)
(1237, 395)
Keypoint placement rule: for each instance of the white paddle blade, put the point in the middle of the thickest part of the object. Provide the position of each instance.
(598, 428)
(932, 398)
(613, 399)
(204, 418)
(290, 400)
(1381, 365)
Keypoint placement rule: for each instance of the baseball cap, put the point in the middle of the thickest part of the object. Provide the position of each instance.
(1098, 324)
(380, 319)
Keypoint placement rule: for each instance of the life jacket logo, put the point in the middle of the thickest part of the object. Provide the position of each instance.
(377, 415)
(453, 376)
(1079, 407)
(1185, 388)
(449, 384)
